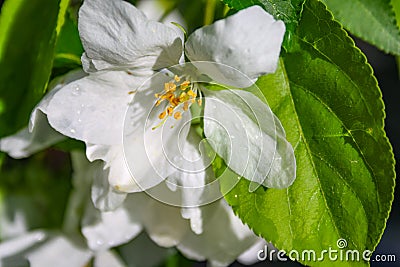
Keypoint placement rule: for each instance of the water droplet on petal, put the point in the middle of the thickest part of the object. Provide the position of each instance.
(40, 236)
(99, 242)
(76, 91)
(72, 131)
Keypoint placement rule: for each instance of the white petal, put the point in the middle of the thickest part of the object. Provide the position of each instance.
(60, 251)
(163, 194)
(104, 230)
(193, 181)
(117, 35)
(89, 175)
(92, 109)
(13, 224)
(251, 140)
(39, 134)
(16, 245)
(249, 41)
(162, 222)
(119, 177)
(152, 153)
(107, 258)
(104, 196)
(223, 239)
(25, 143)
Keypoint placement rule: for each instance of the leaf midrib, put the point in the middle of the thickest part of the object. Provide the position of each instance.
(352, 138)
(309, 154)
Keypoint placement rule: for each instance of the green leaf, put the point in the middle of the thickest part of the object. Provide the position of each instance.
(329, 103)
(69, 47)
(371, 20)
(28, 34)
(396, 9)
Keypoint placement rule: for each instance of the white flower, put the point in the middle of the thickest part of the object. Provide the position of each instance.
(122, 50)
(114, 110)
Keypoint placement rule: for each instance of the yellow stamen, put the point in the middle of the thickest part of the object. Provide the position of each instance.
(170, 111)
(175, 101)
(191, 93)
(177, 115)
(175, 94)
(182, 97)
(185, 85)
(169, 87)
(162, 115)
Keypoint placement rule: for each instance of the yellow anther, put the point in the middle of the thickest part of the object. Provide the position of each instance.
(175, 101)
(182, 97)
(168, 96)
(177, 115)
(169, 87)
(191, 93)
(162, 115)
(170, 110)
(132, 92)
(185, 85)
(199, 101)
(176, 94)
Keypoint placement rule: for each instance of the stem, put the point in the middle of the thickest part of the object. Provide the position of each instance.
(226, 10)
(210, 12)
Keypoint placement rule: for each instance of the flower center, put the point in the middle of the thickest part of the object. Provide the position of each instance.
(179, 95)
